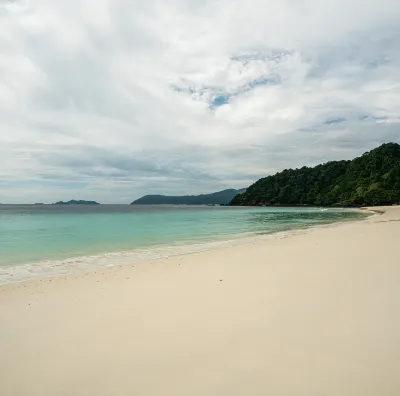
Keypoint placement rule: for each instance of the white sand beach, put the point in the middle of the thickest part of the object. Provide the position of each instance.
(314, 314)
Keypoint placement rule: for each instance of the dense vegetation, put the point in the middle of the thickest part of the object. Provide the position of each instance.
(372, 179)
(218, 198)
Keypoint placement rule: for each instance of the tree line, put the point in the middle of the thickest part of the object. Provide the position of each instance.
(371, 179)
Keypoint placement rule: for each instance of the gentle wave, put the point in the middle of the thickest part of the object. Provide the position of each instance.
(48, 268)
(50, 244)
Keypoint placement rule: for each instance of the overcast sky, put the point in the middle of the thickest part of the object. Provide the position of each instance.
(110, 100)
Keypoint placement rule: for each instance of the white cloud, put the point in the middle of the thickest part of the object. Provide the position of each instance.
(110, 100)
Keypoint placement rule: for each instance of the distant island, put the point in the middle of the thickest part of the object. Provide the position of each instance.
(217, 198)
(372, 179)
(75, 202)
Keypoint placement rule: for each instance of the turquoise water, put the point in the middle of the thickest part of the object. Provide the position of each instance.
(38, 240)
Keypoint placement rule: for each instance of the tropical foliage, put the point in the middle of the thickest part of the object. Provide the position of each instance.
(372, 179)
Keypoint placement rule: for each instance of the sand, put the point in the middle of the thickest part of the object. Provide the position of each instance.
(315, 314)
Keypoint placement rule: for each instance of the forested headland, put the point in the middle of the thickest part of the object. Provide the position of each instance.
(371, 179)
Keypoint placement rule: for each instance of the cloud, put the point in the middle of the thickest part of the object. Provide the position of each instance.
(110, 100)
(338, 120)
(242, 74)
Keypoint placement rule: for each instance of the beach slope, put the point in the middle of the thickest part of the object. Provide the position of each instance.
(314, 314)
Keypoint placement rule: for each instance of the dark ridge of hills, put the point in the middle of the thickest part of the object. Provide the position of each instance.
(76, 202)
(217, 198)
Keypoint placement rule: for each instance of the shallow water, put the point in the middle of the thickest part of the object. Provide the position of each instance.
(39, 240)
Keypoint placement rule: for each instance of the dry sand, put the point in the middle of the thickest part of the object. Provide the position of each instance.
(316, 314)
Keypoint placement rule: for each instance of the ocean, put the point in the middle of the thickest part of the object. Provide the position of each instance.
(44, 240)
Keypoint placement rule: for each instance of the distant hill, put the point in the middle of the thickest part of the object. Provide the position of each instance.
(372, 179)
(217, 198)
(75, 202)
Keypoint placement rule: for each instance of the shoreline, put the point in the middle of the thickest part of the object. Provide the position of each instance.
(95, 262)
(311, 314)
